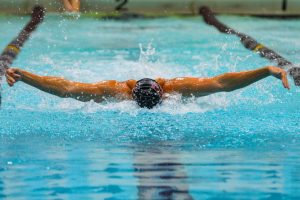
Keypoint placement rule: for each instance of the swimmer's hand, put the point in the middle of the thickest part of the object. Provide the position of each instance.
(280, 74)
(12, 76)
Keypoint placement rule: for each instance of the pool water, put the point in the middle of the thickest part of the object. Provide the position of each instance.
(239, 145)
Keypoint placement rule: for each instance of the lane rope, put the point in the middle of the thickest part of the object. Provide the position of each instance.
(251, 44)
(12, 50)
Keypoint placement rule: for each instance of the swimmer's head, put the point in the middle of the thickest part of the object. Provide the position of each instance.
(147, 93)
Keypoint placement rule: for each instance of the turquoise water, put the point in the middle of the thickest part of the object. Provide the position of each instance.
(239, 145)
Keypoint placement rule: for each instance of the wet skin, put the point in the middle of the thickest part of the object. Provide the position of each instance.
(186, 86)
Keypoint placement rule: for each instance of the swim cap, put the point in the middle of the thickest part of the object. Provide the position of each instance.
(147, 93)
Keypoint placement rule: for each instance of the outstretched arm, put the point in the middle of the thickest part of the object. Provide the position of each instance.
(223, 83)
(65, 88)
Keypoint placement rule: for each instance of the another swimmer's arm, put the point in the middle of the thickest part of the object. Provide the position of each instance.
(223, 83)
(62, 87)
(71, 5)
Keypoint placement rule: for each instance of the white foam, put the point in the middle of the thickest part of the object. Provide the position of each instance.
(148, 65)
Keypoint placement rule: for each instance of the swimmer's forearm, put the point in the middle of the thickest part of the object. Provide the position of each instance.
(236, 80)
(53, 85)
(65, 88)
(205, 86)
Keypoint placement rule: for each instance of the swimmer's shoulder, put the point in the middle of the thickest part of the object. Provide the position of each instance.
(161, 81)
(130, 83)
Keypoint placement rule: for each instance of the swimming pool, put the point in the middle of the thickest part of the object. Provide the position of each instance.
(239, 145)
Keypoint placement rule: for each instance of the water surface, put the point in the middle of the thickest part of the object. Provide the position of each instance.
(239, 145)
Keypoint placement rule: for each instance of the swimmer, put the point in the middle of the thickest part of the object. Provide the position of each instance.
(71, 5)
(146, 92)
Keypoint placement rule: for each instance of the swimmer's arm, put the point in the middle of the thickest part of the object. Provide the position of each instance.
(223, 83)
(236, 80)
(65, 88)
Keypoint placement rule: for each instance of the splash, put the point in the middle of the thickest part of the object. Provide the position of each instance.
(146, 55)
(174, 105)
(146, 66)
(91, 61)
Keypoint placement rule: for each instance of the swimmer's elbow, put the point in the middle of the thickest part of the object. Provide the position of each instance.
(224, 83)
(219, 86)
(225, 87)
(66, 92)
(65, 89)
(75, 92)
(54, 85)
(63, 92)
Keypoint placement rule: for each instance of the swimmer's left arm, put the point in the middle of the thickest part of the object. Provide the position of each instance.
(227, 82)
(236, 80)
(191, 86)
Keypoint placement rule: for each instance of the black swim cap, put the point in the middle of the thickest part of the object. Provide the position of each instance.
(147, 93)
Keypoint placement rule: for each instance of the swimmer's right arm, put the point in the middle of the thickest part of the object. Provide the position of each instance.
(64, 88)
